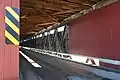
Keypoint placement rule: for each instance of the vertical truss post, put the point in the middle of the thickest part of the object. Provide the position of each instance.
(56, 41)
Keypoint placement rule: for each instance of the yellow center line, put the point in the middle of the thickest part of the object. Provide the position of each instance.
(14, 27)
(13, 13)
(11, 38)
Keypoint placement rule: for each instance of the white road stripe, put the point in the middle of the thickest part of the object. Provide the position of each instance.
(36, 65)
(81, 58)
(78, 58)
(30, 60)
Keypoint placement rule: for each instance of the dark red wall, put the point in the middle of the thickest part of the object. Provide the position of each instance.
(97, 33)
(9, 54)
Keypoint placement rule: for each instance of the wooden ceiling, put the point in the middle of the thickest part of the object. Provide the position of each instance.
(39, 14)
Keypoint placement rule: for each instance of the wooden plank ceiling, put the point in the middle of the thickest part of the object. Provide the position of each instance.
(39, 14)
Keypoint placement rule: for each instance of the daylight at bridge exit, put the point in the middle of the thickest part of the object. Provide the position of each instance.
(60, 39)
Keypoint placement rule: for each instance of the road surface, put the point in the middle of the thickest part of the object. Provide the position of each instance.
(53, 68)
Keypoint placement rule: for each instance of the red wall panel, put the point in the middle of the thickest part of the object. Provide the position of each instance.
(97, 34)
(9, 55)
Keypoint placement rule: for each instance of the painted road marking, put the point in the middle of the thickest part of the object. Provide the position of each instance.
(74, 57)
(77, 58)
(30, 60)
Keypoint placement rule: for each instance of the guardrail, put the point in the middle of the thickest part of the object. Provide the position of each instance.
(74, 57)
(78, 58)
(71, 57)
(110, 74)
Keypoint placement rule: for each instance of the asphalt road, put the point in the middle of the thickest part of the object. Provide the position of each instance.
(55, 68)
(27, 71)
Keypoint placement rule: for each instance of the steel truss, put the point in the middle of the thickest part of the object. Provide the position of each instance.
(57, 41)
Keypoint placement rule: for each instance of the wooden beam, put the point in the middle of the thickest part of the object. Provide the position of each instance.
(32, 32)
(65, 12)
(38, 9)
(23, 17)
(57, 4)
(84, 12)
(96, 1)
(41, 7)
(44, 24)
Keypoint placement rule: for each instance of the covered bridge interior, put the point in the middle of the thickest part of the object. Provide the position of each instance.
(60, 39)
(37, 15)
(88, 29)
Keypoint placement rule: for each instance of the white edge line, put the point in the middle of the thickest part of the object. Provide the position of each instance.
(30, 60)
(114, 62)
(99, 72)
